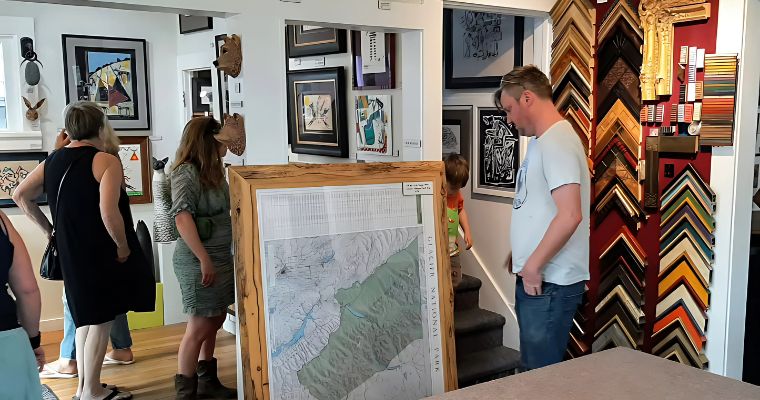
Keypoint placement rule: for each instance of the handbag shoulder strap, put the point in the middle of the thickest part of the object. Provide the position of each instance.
(58, 194)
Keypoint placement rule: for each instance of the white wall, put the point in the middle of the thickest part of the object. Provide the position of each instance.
(345, 60)
(160, 30)
(196, 50)
(731, 179)
(490, 216)
(50, 21)
(264, 66)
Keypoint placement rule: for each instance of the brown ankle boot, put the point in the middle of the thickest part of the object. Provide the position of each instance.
(186, 387)
(208, 382)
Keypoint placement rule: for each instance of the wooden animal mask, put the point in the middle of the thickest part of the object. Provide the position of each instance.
(31, 112)
(232, 134)
(230, 57)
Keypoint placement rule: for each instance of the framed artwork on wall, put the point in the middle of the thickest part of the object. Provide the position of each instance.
(223, 97)
(452, 137)
(134, 153)
(479, 48)
(457, 134)
(14, 168)
(374, 55)
(317, 112)
(496, 154)
(309, 40)
(374, 124)
(194, 23)
(111, 72)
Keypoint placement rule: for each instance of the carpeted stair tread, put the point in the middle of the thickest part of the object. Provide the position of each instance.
(484, 364)
(468, 283)
(477, 319)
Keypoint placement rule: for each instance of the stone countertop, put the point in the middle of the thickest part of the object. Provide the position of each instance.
(620, 374)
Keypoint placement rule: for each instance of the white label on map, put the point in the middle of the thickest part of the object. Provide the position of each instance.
(417, 188)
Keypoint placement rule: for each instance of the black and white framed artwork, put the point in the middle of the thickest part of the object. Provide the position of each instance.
(496, 154)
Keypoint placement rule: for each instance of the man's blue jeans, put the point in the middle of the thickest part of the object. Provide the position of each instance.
(545, 322)
(120, 337)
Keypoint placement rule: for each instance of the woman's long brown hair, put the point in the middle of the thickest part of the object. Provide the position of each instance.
(198, 147)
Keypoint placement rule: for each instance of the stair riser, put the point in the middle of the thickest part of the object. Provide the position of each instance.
(477, 341)
(466, 300)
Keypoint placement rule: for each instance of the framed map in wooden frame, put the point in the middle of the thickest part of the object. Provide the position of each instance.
(304, 296)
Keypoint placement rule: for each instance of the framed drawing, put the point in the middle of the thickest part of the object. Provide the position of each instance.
(452, 137)
(374, 55)
(496, 154)
(309, 40)
(374, 124)
(134, 153)
(317, 112)
(194, 23)
(332, 257)
(111, 72)
(479, 48)
(223, 97)
(14, 168)
(457, 136)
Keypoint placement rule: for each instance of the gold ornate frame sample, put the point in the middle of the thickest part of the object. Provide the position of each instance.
(657, 20)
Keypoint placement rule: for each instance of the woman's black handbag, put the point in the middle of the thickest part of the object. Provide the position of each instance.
(50, 268)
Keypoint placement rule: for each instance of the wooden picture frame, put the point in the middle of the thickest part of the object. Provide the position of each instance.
(138, 189)
(89, 66)
(492, 135)
(308, 40)
(223, 91)
(472, 36)
(194, 23)
(318, 123)
(374, 81)
(14, 167)
(256, 192)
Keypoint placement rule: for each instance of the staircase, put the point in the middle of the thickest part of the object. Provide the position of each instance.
(481, 356)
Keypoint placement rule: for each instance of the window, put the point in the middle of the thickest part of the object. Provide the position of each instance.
(11, 108)
(3, 107)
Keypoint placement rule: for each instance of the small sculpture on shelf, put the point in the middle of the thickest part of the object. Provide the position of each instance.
(163, 223)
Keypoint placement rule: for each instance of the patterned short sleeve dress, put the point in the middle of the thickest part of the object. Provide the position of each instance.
(210, 209)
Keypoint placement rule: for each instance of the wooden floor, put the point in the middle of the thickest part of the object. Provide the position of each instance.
(152, 375)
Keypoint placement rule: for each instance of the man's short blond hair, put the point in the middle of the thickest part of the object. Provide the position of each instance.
(524, 78)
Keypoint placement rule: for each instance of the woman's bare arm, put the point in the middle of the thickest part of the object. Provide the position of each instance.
(27, 192)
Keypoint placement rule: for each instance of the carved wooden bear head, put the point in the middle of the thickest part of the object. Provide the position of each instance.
(232, 134)
(230, 56)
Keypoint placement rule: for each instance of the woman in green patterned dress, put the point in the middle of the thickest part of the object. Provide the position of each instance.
(203, 256)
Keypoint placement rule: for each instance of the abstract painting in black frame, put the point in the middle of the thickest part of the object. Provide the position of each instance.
(317, 117)
(111, 72)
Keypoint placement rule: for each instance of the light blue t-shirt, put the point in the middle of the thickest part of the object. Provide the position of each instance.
(553, 160)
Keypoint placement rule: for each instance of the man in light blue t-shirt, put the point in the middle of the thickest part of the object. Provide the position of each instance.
(550, 220)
